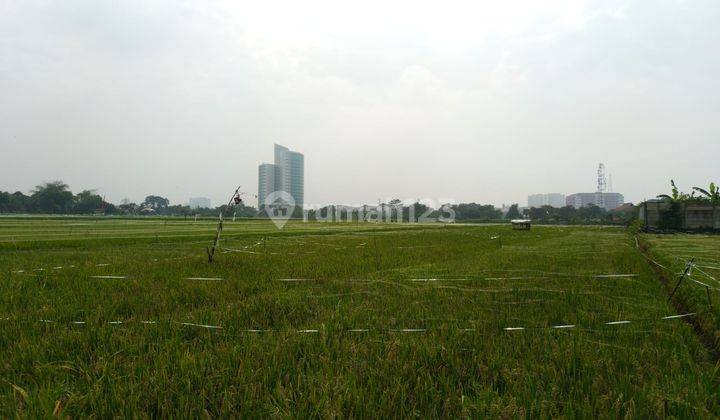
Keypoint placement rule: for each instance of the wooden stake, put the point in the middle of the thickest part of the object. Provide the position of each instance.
(688, 267)
(707, 290)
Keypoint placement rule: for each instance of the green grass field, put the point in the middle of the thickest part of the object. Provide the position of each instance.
(127, 318)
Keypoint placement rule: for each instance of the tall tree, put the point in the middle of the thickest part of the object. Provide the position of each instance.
(155, 203)
(87, 202)
(513, 212)
(394, 210)
(128, 208)
(413, 212)
(52, 198)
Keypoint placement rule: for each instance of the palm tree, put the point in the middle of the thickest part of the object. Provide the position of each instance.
(712, 193)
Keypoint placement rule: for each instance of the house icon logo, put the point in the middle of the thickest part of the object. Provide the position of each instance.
(280, 206)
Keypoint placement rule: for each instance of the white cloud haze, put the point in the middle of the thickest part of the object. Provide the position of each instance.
(477, 101)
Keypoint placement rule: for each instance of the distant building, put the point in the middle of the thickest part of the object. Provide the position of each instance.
(286, 174)
(607, 200)
(552, 200)
(199, 202)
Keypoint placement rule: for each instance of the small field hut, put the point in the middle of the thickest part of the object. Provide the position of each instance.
(520, 224)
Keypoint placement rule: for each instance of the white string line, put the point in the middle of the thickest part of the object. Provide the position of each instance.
(614, 275)
(678, 316)
(212, 327)
(689, 275)
(125, 277)
(294, 280)
(364, 292)
(549, 273)
(41, 269)
(693, 280)
(706, 274)
(703, 284)
(611, 275)
(356, 330)
(434, 279)
(655, 262)
(226, 250)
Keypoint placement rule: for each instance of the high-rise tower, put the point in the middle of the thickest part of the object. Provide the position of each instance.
(266, 182)
(601, 185)
(286, 174)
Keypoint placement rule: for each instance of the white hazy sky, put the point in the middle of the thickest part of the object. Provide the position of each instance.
(472, 101)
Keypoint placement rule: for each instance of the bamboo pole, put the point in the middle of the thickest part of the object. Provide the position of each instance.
(216, 241)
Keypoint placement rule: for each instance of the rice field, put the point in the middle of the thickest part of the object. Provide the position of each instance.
(699, 291)
(125, 317)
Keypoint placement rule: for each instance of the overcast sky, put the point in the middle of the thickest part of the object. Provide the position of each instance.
(445, 100)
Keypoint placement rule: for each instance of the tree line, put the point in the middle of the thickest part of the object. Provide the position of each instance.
(52, 198)
(589, 215)
(395, 210)
(56, 198)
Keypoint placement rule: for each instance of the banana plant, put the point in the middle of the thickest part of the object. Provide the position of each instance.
(676, 194)
(712, 193)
